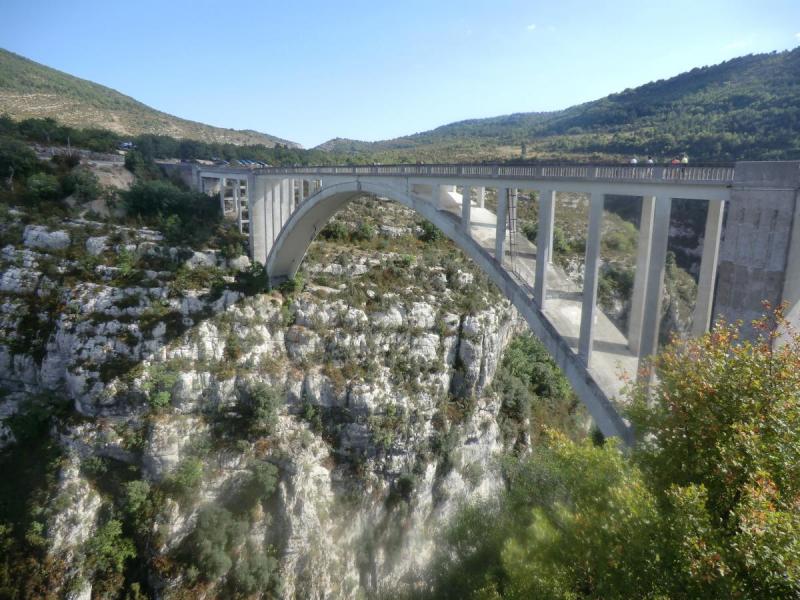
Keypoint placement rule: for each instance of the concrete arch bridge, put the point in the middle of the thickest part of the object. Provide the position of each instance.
(750, 248)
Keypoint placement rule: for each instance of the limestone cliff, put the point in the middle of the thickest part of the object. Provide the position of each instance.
(304, 443)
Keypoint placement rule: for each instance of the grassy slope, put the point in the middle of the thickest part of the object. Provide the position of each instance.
(28, 89)
(748, 107)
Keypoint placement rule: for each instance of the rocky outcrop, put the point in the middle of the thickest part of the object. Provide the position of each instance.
(384, 421)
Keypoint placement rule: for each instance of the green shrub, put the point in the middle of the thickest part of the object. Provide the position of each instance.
(334, 231)
(215, 536)
(158, 385)
(254, 571)
(430, 232)
(363, 232)
(291, 286)
(43, 187)
(107, 550)
(183, 216)
(82, 184)
(257, 487)
(261, 406)
(17, 158)
(136, 497)
(185, 479)
(253, 281)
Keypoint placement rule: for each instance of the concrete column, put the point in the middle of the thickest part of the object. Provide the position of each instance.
(273, 211)
(286, 208)
(301, 191)
(258, 210)
(589, 308)
(222, 195)
(640, 276)
(544, 244)
(481, 196)
(708, 268)
(500, 229)
(236, 197)
(651, 318)
(466, 209)
(292, 198)
(286, 204)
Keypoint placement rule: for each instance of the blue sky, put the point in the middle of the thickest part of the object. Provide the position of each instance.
(312, 70)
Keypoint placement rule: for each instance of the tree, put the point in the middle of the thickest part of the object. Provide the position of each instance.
(43, 186)
(723, 433)
(706, 505)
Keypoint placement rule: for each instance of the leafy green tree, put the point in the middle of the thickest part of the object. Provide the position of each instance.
(108, 550)
(723, 429)
(704, 507)
(16, 158)
(43, 186)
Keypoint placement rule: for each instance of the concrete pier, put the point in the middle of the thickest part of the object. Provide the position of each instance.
(643, 247)
(651, 318)
(500, 225)
(590, 274)
(544, 244)
(708, 268)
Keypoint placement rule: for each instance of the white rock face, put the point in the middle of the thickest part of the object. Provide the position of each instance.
(360, 386)
(16, 280)
(36, 236)
(97, 245)
(421, 315)
(240, 263)
(202, 259)
(71, 526)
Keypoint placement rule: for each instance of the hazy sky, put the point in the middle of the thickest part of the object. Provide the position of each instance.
(312, 70)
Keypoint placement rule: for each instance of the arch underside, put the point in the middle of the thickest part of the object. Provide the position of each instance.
(311, 216)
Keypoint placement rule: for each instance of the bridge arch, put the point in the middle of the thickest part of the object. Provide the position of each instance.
(302, 227)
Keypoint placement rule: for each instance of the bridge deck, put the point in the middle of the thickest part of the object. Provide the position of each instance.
(682, 174)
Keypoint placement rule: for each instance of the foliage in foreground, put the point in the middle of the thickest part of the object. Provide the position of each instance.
(706, 506)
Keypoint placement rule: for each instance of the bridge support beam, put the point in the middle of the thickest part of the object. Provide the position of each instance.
(481, 196)
(651, 319)
(500, 227)
(222, 195)
(258, 219)
(640, 277)
(273, 212)
(286, 203)
(466, 209)
(544, 244)
(301, 191)
(708, 268)
(590, 273)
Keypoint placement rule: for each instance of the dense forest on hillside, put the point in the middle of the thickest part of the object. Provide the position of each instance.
(745, 108)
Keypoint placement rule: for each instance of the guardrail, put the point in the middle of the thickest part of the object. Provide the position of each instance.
(651, 173)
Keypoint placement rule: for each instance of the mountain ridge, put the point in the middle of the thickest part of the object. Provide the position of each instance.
(714, 112)
(29, 89)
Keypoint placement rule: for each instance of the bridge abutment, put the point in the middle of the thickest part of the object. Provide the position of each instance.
(760, 252)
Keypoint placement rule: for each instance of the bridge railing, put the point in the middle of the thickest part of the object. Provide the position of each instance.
(651, 173)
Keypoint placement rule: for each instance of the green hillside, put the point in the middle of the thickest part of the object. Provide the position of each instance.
(745, 108)
(28, 89)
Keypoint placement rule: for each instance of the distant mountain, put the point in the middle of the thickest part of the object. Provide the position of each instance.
(29, 89)
(745, 108)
